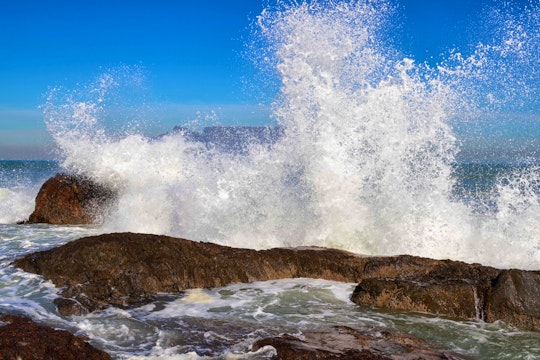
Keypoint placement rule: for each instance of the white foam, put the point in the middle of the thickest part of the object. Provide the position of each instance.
(365, 163)
(15, 204)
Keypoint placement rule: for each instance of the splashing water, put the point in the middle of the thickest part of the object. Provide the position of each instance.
(19, 184)
(365, 162)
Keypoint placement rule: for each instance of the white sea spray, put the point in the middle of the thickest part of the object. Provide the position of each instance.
(365, 162)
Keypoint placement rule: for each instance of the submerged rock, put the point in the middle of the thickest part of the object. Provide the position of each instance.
(125, 269)
(342, 342)
(68, 199)
(21, 338)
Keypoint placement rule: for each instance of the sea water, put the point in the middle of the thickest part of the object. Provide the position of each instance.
(222, 323)
(373, 156)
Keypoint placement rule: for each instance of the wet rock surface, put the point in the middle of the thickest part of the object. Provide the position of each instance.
(452, 289)
(515, 299)
(70, 200)
(21, 338)
(342, 342)
(126, 269)
(456, 299)
(441, 287)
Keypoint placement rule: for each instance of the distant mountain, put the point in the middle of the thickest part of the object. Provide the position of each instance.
(235, 139)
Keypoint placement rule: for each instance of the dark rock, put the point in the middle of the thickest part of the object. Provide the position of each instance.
(126, 269)
(69, 199)
(21, 338)
(453, 298)
(441, 287)
(452, 289)
(68, 307)
(423, 269)
(341, 342)
(515, 299)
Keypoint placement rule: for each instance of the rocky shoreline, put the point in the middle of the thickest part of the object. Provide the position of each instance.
(127, 269)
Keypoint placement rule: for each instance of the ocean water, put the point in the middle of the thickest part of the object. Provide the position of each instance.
(222, 323)
(373, 155)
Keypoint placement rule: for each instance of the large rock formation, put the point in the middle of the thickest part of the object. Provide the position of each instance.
(515, 299)
(342, 342)
(453, 289)
(126, 269)
(21, 338)
(446, 288)
(123, 269)
(68, 199)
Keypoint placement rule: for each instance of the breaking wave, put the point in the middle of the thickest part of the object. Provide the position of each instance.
(365, 160)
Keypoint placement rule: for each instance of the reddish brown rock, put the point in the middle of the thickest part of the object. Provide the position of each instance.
(22, 339)
(341, 342)
(68, 307)
(68, 199)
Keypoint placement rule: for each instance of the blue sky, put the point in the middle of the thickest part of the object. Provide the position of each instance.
(190, 53)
